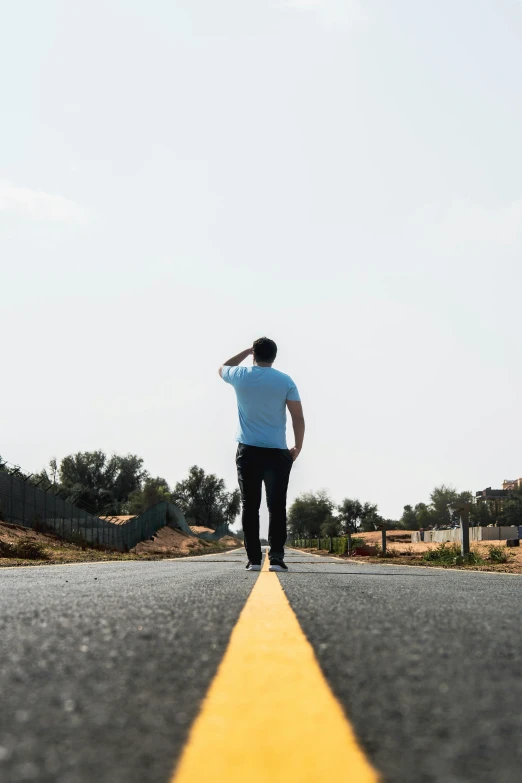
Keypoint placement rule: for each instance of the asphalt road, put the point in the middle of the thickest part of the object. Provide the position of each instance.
(103, 666)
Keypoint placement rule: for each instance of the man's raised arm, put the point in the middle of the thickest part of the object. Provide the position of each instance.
(298, 423)
(235, 360)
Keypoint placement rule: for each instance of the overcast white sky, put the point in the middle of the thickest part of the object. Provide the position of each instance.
(179, 178)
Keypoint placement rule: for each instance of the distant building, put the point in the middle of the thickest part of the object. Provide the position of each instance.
(494, 498)
(511, 484)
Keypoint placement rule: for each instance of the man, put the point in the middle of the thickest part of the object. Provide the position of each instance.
(263, 394)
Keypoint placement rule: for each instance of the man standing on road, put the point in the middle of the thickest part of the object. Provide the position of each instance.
(263, 394)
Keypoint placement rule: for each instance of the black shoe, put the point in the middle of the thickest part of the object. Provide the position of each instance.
(253, 566)
(277, 565)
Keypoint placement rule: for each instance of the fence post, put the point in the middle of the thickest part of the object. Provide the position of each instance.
(349, 544)
(464, 526)
(383, 532)
(463, 511)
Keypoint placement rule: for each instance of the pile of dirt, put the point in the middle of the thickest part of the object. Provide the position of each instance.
(231, 541)
(197, 529)
(172, 541)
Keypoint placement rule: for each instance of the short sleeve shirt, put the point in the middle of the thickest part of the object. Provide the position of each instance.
(261, 394)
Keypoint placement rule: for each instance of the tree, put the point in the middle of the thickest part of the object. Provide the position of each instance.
(440, 498)
(204, 500)
(154, 490)
(99, 483)
(370, 518)
(409, 520)
(350, 513)
(331, 527)
(512, 508)
(480, 514)
(47, 477)
(357, 516)
(308, 513)
(391, 524)
(424, 515)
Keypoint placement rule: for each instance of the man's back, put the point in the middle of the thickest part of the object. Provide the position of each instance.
(262, 393)
(262, 456)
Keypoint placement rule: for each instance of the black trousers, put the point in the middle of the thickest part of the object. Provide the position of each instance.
(256, 465)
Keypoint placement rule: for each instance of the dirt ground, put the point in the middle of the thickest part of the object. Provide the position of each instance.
(404, 552)
(168, 542)
(200, 529)
(10, 532)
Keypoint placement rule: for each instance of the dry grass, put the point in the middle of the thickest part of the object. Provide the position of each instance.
(403, 552)
(168, 542)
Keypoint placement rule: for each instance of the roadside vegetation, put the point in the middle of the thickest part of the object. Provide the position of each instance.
(19, 547)
(319, 524)
(366, 547)
(449, 554)
(25, 548)
(315, 514)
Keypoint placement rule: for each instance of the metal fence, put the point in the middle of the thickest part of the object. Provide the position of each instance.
(341, 545)
(22, 503)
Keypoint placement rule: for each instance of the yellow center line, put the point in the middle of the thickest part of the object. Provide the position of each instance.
(269, 713)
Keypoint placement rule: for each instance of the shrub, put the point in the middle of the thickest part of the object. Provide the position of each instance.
(78, 540)
(449, 554)
(339, 546)
(6, 549)
(444, 553)
(473, 558)
(498, 554)
(30, 549)
(389, 552)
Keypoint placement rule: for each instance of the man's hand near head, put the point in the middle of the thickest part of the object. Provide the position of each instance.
(235, 360)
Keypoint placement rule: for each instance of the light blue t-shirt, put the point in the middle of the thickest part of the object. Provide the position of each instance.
(261, 394)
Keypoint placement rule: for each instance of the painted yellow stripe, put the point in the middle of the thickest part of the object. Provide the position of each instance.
(269, 714)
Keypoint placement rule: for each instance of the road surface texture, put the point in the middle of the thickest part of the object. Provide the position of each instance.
(104, 667)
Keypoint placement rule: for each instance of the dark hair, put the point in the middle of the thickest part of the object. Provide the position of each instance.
(265, 350)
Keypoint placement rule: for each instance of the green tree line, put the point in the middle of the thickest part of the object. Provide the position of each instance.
(482, 513)
(116, 485)
(314, 514)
